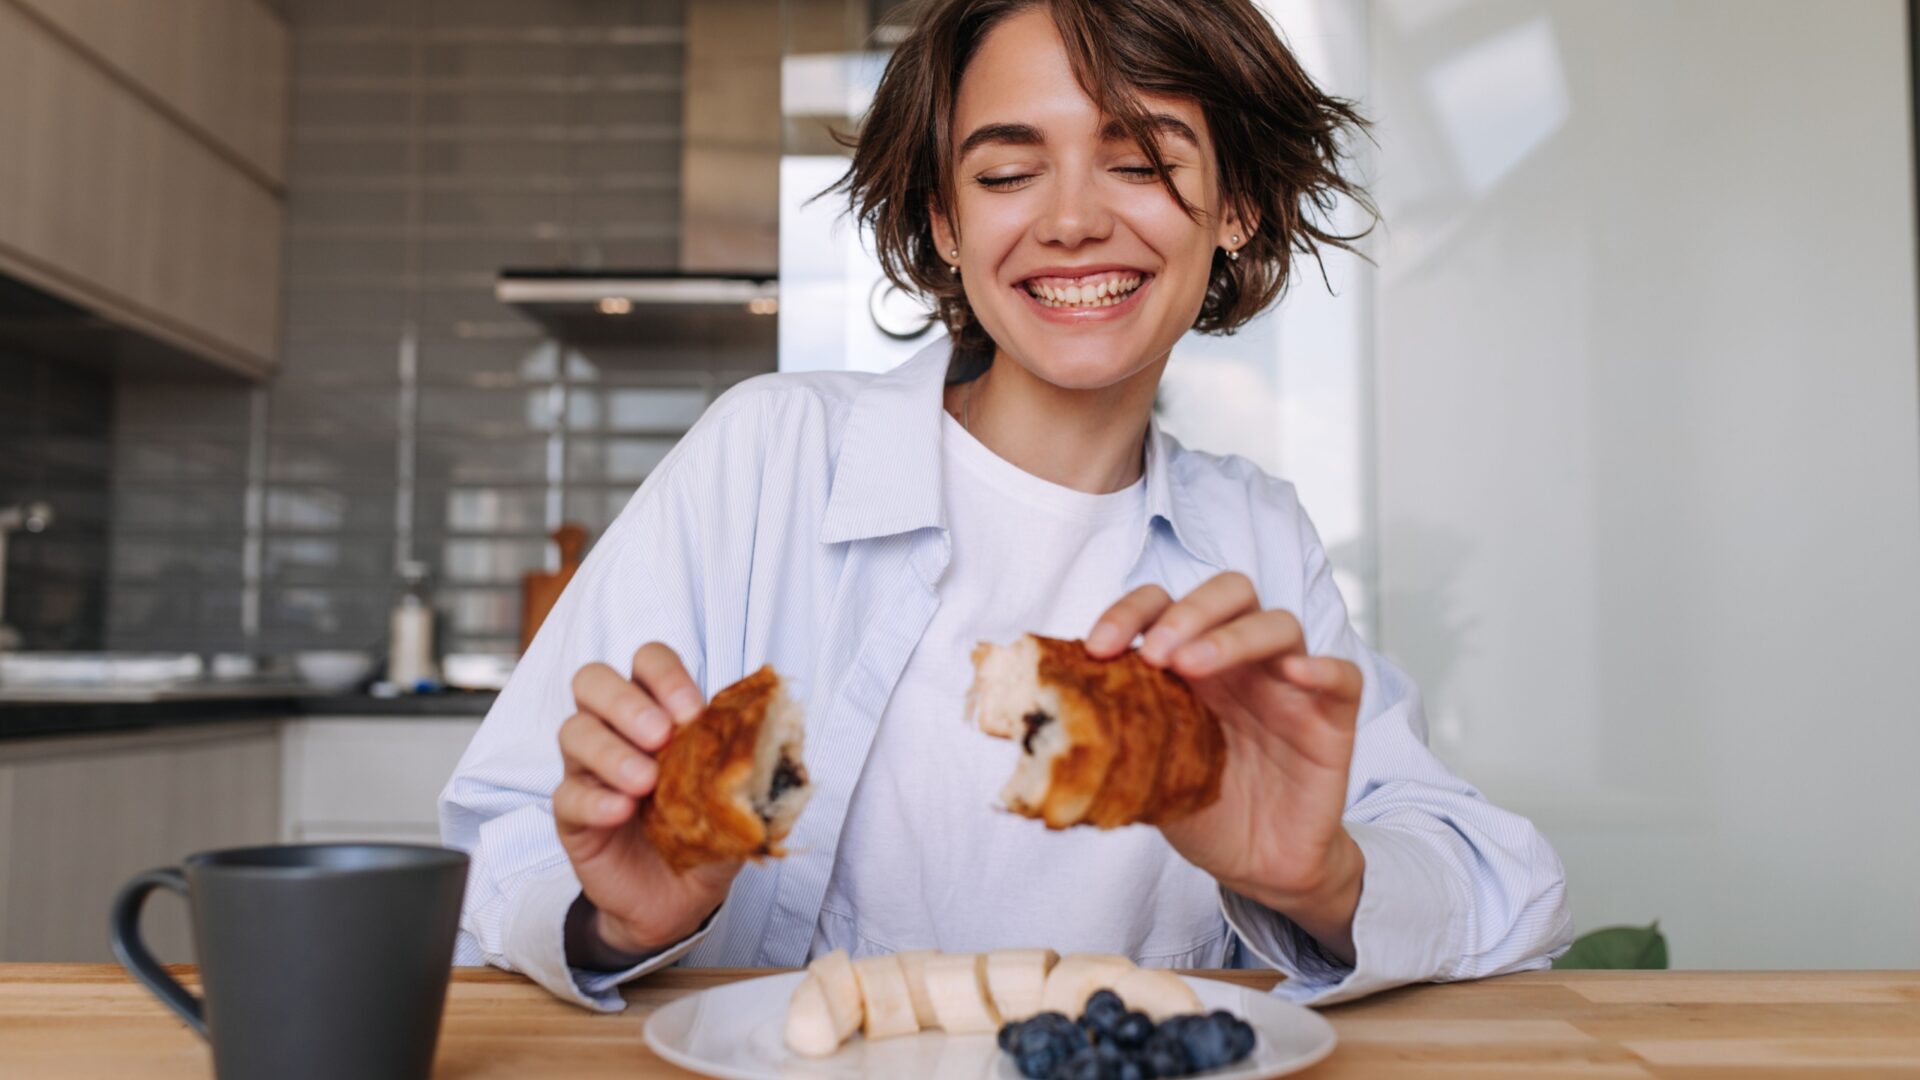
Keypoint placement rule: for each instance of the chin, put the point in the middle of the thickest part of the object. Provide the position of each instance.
(1081, 364)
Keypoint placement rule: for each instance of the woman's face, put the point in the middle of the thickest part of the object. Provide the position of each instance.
(1074, 257)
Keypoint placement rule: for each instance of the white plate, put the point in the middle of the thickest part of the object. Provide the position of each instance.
(736, 1032)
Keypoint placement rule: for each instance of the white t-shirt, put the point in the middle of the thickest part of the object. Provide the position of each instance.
(926, 858)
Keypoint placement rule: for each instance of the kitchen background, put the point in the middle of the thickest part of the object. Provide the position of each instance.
(1617, 445)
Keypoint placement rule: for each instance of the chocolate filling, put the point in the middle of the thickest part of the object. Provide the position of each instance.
(1034, 720)
(786, 777)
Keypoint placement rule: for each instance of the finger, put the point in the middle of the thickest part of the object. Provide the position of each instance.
(1217, 600)
(1257, 638)
(582, 803)
(1115, 629)
(604, 692)
(659, 672)
(589, 746)
(1328, 676)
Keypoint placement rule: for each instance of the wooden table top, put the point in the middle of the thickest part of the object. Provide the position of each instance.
(90, 1020)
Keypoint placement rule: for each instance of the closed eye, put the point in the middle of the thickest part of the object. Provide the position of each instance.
(1142, 174)
(1002, 183)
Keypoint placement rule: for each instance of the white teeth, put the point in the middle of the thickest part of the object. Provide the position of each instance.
(1103, 293)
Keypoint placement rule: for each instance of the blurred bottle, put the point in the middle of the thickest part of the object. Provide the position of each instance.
(410, 656)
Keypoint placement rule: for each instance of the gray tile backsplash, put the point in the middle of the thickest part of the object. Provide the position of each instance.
(55, 445)
(433, 143)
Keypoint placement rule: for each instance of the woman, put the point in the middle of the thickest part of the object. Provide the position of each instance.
(1076, 185)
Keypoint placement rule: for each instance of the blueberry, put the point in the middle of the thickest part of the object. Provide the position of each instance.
(1166, 1059)
(1085, 1065)
(1134, 1067)
(1009, 1031)
(1131, 1031)
(1035, 1037)
(1240, 1039)
(1104, 1009)
(1206, 1043)
(1038, 1066)
(1165, 1052)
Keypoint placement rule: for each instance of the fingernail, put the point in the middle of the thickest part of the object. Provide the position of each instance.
(612, 804)
(685, 703)
(1201, 655)
(1105, 638)
(652, 724)
(634, 772)
(1159, 643)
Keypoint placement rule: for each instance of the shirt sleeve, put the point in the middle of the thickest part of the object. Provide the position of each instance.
(641, 583)
(1454, 886)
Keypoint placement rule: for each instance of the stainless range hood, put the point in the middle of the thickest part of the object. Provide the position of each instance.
(588, 303)
(729, 194)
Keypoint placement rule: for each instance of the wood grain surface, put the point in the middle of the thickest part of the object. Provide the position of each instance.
(89, 1020)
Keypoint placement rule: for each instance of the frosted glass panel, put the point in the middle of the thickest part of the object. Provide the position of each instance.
(1648, 498)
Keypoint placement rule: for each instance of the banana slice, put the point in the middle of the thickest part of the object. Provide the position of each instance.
(1016, 978)
(1157, 992)
(842, 991)
(883, 994)
(957, 989)
(1075, 978)
(913, 965)
(810, 1027)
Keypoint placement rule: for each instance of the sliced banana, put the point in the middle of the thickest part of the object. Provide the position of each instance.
(1157, 992)
(913, 965)
(842, 990)
(810, 1027)
(884, 996)
(957, 989)
(1017, 978)
(1074, 979)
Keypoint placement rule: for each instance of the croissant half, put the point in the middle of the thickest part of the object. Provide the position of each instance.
(732, 782)
(1102, 742)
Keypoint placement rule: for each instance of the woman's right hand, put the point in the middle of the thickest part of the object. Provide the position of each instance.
(608, 746)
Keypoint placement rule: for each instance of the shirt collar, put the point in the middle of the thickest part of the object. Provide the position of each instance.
(887, 478)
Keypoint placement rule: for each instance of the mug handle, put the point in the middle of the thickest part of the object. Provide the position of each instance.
(132, 952)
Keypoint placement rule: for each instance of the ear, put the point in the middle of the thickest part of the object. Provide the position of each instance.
(943, 236)
(1235, 223)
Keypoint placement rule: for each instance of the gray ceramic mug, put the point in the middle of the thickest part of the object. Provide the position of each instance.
(316, 960)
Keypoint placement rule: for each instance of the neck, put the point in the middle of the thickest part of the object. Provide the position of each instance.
(1087, 440)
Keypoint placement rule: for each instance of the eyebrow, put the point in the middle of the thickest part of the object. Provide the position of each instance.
(1028, 135)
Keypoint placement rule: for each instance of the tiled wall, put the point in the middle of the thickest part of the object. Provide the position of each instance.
(55, 424)
(434, 142)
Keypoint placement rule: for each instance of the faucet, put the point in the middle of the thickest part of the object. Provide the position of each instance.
(33, 517)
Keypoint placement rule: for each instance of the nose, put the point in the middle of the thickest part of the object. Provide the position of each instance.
(1076, 214)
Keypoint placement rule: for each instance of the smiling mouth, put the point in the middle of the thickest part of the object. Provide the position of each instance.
(1085, 293)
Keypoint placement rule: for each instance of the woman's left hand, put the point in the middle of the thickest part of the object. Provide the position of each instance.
(1275, 834)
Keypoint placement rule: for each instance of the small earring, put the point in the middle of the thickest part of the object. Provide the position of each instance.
(955, 267)
(954, 254)
(1236, 239)
(1232, 254)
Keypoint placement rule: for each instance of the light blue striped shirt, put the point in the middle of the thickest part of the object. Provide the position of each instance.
(801, 523)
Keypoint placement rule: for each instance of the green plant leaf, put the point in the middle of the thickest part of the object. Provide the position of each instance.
(1635, 948)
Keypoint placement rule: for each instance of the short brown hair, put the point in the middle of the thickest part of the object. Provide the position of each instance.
(1278, 138)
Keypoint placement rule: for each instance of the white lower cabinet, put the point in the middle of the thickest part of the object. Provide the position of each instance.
(79, 815)
(368, 778)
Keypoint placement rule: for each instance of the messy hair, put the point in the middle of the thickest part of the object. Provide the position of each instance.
(1280, 141)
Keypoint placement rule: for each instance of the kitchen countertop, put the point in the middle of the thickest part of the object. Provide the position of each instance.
(82, 714)
(63, 1021)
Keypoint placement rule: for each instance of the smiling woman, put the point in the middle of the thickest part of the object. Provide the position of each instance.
(1102, 116)
(1076, 185)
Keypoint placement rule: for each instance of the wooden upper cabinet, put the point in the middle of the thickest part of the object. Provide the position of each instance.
(221, 66)
(165, 215)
